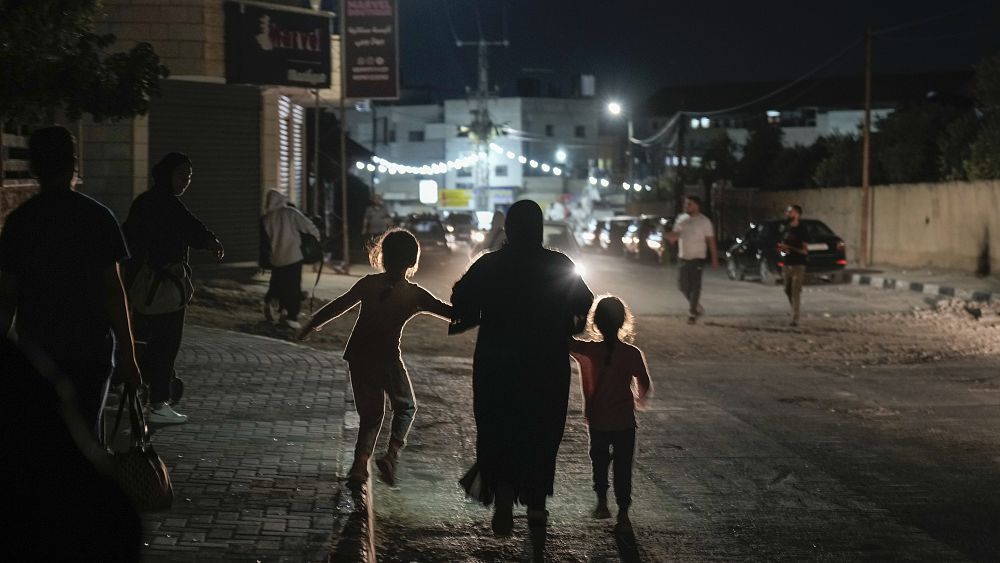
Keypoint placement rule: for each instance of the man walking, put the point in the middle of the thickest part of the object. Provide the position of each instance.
(696, 238)
(283, 227)
(59, 271)
(794, 250)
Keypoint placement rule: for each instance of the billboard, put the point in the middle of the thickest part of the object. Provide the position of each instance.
(371, 49)
(277, 46)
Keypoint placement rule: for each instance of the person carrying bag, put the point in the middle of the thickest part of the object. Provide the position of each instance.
(138, 470)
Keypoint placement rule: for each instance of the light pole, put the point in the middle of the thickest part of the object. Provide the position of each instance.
(616, 110)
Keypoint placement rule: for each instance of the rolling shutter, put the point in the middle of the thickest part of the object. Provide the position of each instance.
(219, 127)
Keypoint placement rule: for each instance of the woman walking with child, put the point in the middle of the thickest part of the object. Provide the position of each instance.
(388, 300)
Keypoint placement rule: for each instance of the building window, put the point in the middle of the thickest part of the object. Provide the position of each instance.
(291, 145)
(463, 172)
(416, 136)
(500, 171)
(580, 131)
(392, 135)
(463, 186)
(550, 130)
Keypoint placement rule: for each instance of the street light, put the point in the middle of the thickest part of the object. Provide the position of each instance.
(561, 156)
(615, 109)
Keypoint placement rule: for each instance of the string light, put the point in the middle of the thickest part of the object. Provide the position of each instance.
(387, 166)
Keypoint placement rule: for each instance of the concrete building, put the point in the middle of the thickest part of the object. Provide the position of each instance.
(243, 138)
(546, 133)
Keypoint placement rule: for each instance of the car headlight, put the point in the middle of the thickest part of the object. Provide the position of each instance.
(653, 244)
(588, 236)
(450, 229)
(477, 236)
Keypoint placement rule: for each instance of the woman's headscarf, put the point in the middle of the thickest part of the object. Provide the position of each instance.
(163, 171)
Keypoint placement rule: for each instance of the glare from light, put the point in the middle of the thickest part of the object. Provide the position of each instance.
(592, 180)
(484, 218)
(376, 159)
(614, 108)
(383, 168)
(546, 168)
(370, 167)
(533, 163)
(561, 155)
(605, 182)
(522, 159)
(626, 185)
(359, 165)
(580, 270)
(428, 192)
(511, 155)
(695, 123)
(477, 236)
(637, 187)
(649, 188)
(705, 122)
(557, 171)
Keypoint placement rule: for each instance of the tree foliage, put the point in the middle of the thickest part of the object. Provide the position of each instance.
(760, 152)
(984, 154)
(909, 148)
(51, 60)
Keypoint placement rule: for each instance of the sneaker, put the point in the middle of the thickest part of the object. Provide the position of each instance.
(271, 310)
(387, 468)
(692, 319)
(293, 324)
(165, 414)
(602, 512)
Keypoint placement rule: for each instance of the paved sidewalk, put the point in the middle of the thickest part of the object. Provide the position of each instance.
(256, 471)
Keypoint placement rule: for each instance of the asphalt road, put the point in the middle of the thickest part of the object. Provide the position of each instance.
(783, 460)
(652, 289)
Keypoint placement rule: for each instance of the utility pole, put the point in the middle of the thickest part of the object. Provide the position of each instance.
(679, 194)
(345, 231)
(481, 126)
(864, 244)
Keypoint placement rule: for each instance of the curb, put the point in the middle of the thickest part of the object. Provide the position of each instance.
(881, 282)
(355, 523)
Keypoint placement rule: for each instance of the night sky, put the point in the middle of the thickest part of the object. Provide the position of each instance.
(635, 47)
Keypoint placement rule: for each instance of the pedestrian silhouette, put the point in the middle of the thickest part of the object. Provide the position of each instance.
(160, 231)
(283, 227)
(59, 256)
(608, 368)
(388, 301)
(527, 301)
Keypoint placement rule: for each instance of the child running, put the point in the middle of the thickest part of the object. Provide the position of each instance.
(607, 368)
(388, 300)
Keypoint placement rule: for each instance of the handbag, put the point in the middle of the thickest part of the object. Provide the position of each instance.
(139, 471)
(312, 250)
(163, 289)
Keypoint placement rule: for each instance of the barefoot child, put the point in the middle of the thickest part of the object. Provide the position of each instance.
(388, 300)
(608, 368)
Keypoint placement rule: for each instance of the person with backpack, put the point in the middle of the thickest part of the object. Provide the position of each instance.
(282, 227)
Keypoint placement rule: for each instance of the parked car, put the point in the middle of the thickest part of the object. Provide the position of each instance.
(430, 233)
(460, 225)
(611, 234)
(558, 235)
(636, 238)
(756, 253)
(658, 244)
(587, 238)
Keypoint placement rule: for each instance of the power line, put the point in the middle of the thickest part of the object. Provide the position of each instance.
(929, 19)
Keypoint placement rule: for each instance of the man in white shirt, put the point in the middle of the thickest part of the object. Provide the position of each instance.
(283, 227)
(377, 219)
(696, 237)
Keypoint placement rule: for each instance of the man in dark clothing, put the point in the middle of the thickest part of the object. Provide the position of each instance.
(527, 301)
(794, 249)
(59, 256)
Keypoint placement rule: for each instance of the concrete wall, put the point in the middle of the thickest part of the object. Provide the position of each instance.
(115, 159)
(946, 225)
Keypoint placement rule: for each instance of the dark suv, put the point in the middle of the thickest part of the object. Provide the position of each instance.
(756, 253)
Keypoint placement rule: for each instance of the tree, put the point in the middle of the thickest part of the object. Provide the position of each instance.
(908, 137)
(718, 161)
(51, 60)
(794, 167)
(955, 146)
(984, 154)
(759, 154)
(842, 164)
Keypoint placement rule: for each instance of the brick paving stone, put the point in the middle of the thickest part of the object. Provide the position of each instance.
(258, 469)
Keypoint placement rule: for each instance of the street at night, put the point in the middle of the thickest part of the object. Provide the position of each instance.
(500, 280)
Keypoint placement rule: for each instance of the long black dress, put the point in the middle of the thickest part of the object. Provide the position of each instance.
(527, 302)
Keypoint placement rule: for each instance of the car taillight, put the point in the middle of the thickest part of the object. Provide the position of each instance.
(781, 264)
(841, 262)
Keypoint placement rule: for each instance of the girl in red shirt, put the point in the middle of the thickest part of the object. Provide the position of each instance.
(615, 382)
